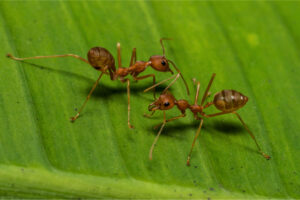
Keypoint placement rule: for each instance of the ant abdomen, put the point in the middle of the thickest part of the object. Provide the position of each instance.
(229, 100)
(100, 57)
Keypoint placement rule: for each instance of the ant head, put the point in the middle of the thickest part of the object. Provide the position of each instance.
(165, 101)
(160, 63)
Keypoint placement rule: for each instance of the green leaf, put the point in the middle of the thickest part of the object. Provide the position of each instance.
(253, 47)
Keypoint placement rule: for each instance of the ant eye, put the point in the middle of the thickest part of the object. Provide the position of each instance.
(163, 63)
(166, 104)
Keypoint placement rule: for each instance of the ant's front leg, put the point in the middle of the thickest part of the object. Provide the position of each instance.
(149, 115)
(172, 119)
(146, 76)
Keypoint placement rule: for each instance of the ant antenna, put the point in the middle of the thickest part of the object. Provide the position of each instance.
(161, 82)
(207, 89)
(166, 89)
(162, 45)
(187, 88)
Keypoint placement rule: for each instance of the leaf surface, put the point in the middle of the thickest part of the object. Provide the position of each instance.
(253, 47)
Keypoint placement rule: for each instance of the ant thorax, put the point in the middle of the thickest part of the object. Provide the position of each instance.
(138, 67)
(182, 105)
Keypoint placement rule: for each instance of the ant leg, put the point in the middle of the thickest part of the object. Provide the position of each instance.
(197, 117)
(252, 136)
(146, 76)
(133, 57)
(119, 54)
(53, 56)
(128, 96)
(197, 93)
(156, 138)
(208, 104)
(149, 115)
(161, 82)
(88, 97)
(171, 119)
(207, 89)
(111, 74)
(193, 144)
(246, 127)
(213, 115)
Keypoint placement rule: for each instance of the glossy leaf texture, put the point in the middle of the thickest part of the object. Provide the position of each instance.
(253, 47)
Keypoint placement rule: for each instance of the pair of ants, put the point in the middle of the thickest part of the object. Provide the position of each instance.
(227, 101)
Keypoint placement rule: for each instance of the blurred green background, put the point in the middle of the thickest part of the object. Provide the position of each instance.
(252, 46)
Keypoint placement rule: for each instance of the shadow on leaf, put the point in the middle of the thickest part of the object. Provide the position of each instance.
(103, 91)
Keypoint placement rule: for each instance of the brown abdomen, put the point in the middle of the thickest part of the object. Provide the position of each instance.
(100, 57)
(229, 100)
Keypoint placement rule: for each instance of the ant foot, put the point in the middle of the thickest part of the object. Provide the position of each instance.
(156, 127)
(130, 126)
(267, 156)
(9, 55)
(188, 161)
(72, 119)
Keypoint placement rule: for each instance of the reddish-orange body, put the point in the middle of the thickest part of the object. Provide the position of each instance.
(102, 60)
(227, 101)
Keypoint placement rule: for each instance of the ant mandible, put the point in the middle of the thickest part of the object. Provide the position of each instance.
(102, 60)
(227, 101)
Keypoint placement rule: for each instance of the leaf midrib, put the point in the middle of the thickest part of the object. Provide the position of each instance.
(91, 186)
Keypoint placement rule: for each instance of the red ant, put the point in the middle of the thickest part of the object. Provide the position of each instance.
(102, 60)
(227, 101)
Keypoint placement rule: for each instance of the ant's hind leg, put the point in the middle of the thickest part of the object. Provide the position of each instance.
(53, 56)
(87, 98)
(252, 136)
